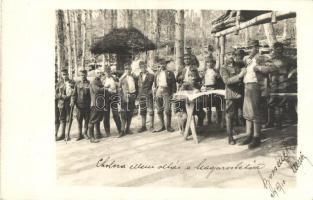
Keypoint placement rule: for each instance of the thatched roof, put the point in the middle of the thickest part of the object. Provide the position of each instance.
(123, 41)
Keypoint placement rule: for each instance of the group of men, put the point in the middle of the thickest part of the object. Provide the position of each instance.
(243, 76)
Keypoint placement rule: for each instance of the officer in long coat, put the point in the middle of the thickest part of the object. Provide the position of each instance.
(81, 99)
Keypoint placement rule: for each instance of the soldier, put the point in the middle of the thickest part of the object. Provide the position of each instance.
(188, 78)
(193, 59)
(232, 75)
(128, 93)
(145, 94)
(210, 83)
(165, 87)
(97, 106)
(251, 106)
(111, 101)
(64, 92)
(81, 98)
(279, 83)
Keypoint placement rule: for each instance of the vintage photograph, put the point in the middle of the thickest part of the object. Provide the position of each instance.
(176, 98)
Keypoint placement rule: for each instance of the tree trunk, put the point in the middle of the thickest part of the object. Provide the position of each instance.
(78, 37)
(270, 34)
(155, 35)
(60, 40)
(68, 43)
(203, 33)
(57, 47)
(84, 37)
(104, 19)
(179, 39)
(73, 41)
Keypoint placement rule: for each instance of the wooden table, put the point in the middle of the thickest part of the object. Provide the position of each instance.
(190, 97)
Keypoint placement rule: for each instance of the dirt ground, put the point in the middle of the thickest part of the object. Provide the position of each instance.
(170, 161)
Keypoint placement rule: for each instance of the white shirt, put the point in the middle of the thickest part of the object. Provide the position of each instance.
(162, 79)
(110, 84)
(131, 84)
(250, 76)
(186, 79)
(210, 77)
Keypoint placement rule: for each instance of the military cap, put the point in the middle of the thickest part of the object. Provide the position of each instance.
(162, 61)
(210, 47)
(277, 45)
(127, 66)
(64, 71)
(188, 47)
(253, 43)
(239, 52)
(142, 63)
(82, 71)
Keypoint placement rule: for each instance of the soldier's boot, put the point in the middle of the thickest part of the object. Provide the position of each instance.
(229, 127)
(85, 131)
(277, 117)
(98, 134)
(219, 118)
(57, 126)
(249, 126)
(143, 124)
(209, 116)
(62, 136)
(129, 120)
(161, 116)
(80, 134)
(168, 123)
(91, 134)
(256, 140)
(152, 121)
(270, 115)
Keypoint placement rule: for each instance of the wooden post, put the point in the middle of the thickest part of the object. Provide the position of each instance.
(84, 36)
(270, 34)
(237, 22)
(222, 46)
(73, 41)
(218, 52)
(68, 43)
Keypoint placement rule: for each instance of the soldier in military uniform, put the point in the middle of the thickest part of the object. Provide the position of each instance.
(81, 98)
(111, 101)
(64, 90)
(279, 83)
(145, 95)
(188, 78)
(193, 59)
(97, 106)
(209, 82)
(165, 87)
(253, 79)
(232, 74)
(128, 94)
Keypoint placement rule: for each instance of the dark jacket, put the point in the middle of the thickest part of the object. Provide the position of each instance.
(81, 94)
(196, 77)
(97, 93)
(145, 86)
(171, 81)
(233, 83)
(62, 96)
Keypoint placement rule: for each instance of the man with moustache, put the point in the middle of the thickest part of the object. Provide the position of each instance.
(145, 95)
(279, 83)
(232, 74)
(64, 90)
(81, 99)
(165, 87)
(128, 94)
(97, 106)
(111, 101)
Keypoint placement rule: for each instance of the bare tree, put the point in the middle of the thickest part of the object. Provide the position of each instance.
(179, 39)
(71, 15)
(68, 43)
(84, 37)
